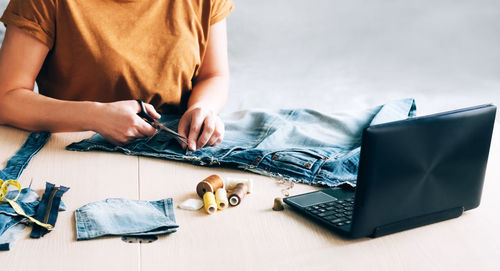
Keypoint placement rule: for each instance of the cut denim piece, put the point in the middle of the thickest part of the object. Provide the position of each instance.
(10, 226)
(125, 217)
(20, 160)
(48, 208)
(10, 222)
(303, 145)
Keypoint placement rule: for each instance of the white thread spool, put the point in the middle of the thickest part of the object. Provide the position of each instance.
(232, 182)
(221, 198)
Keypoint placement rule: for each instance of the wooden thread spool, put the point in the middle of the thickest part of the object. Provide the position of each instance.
(209, 184)
(209, 202)
(238, 193)
(221, 198)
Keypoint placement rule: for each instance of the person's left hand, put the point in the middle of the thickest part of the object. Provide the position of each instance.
(201, 127)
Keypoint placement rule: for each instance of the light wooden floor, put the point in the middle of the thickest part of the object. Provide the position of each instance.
(248, 237)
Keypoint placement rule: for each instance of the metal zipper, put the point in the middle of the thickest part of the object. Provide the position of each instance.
(49, 204)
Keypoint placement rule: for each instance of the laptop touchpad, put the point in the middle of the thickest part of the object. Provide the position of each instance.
(311, 199)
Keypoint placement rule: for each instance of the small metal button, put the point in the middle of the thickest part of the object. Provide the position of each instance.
(275, 157)
(308, 165)
(257, 159)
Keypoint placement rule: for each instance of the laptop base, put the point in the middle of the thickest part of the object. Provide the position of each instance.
(418, 221)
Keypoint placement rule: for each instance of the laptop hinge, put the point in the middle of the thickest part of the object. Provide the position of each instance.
(417, 221)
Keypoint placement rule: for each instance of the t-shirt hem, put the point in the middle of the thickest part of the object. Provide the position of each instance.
(29, 28)
(222, 15)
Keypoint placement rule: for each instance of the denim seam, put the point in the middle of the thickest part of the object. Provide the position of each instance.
(82, 221)
(319, 173)
(230, 152)
(34, 143)
(318, 168)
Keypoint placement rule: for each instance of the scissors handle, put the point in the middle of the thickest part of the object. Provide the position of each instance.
(143, 113)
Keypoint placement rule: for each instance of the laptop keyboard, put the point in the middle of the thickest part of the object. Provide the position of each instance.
(338, 213)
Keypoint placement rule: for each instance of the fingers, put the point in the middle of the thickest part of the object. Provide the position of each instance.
(196, 122)
(144, 129)
(120, 124)
(201, 128)
(183, 127)
(218, 134)
(139, 128)
(152, 111)
(208, 130)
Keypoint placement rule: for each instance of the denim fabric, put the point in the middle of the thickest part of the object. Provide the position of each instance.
(56, 193)
(302, 144)
(125, 217)
(20, 160)
(10, 226)
(10, 222)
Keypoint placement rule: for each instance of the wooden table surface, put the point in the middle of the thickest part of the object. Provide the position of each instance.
(248, 237)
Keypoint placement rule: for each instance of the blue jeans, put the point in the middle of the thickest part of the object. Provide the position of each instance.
(303, 145)
(125, 217)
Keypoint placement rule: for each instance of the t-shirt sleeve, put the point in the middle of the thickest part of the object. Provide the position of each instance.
(34, 17)
(220, 9)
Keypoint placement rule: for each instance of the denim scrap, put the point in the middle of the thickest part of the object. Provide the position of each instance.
(10, 222)
(117, 216)
(301, 144)
(20, 160)
(11, 225)
(51, 196)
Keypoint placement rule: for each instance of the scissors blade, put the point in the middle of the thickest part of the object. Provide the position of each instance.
(160, 126)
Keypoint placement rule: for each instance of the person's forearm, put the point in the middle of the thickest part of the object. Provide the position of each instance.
(27, 110)
(210, 93)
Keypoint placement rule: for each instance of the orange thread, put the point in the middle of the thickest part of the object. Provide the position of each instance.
(209, 184)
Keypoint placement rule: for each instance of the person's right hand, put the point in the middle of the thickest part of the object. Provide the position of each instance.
(119, 123)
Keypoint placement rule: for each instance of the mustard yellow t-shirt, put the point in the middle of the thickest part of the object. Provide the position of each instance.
(110, 50)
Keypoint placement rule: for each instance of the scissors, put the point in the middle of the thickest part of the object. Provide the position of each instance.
(144, 114)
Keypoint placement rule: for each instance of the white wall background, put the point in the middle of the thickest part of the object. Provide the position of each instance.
(3, 5)
(331, 54)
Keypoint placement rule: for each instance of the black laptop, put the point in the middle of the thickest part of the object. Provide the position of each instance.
(411, 173)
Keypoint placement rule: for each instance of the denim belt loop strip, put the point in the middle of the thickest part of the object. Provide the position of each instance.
(20, 160)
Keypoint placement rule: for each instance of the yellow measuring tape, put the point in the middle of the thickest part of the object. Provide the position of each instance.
(3, 198)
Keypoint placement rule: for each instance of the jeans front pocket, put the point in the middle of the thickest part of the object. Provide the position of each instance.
(295, 161)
